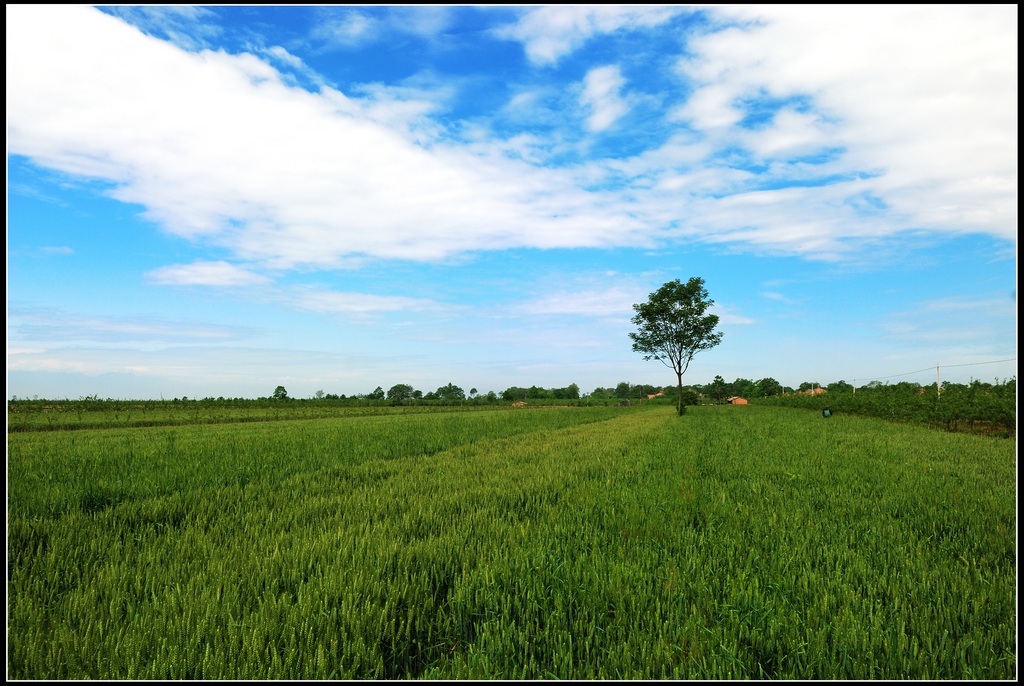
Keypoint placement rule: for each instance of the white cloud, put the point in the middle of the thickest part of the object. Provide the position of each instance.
(220, 274)
(772, 295)
(925, 97)
(601, 95)
(611, 302)
(42, 330)
(51, 363)
(550, 32)
(614, 303)
(187, 26)
(790, 134)
(282, 55)
(358, 303)
(24, 350)
(347, 30)
(426, 20)
(348, 27)
(404, 108)
(216, 145)
(709, 109)
(188, 367)
(983, 328)
(727, 316)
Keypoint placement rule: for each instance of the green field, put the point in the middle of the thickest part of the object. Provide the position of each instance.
(735, 542)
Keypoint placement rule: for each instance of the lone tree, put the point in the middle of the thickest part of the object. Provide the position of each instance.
(673, 327)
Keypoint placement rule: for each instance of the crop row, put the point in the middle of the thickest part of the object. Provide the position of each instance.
(96, 469)
(28, 415)
(732, 543)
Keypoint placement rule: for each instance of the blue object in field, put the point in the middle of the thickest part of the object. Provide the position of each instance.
(826, 413)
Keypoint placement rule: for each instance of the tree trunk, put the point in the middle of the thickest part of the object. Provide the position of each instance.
(679, 402)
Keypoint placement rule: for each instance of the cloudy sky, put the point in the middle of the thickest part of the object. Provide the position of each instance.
(214, 201)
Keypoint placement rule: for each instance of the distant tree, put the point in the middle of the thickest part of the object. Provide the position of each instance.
(623, 389)
(514, 393)
(450, 393)
(400, 392)
(768, 387)
(378, 394)
(570, 392)
(673, 326)
(840, 387)
(279, 394)
(320, 395)
(745, 388)
(472, 393)
(718, 389)
(537, 393)
(690, 396)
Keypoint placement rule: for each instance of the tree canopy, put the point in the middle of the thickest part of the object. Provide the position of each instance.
(673, 326)
(400, 392)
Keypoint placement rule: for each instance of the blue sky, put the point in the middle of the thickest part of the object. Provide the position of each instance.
(214, 201)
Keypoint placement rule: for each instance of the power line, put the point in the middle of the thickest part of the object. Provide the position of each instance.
(968, 364)
(928, 369)
(893, 376)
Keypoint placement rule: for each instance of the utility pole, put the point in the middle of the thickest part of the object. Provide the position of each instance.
(938, 382)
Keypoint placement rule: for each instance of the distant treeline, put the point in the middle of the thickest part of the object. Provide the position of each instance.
(977, 407)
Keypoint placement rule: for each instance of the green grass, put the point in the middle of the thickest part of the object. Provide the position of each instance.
(65, 415)
(585, 543)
